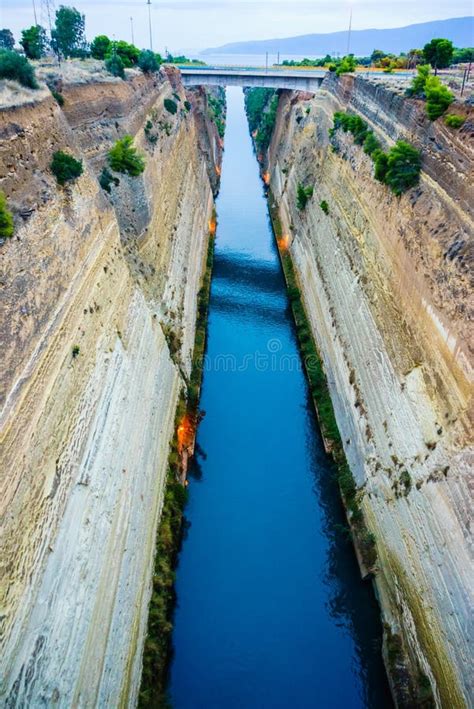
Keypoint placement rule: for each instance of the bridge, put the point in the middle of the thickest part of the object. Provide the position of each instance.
(303, 80)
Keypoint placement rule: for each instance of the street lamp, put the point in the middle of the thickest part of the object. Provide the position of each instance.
(349, 33)
(149, 23)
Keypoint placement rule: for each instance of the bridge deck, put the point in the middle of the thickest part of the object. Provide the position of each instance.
(271, 78)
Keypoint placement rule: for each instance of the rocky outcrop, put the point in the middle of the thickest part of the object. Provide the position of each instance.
(99, 303)
(386, 284)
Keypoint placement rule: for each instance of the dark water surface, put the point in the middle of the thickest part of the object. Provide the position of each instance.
(271, 609)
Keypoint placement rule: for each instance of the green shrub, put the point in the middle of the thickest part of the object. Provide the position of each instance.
(123, 157)
(452, 120)
(106, 180)
(405, 479)
(128, 53)
(76, 350)
(148, 62)
(347, 65)
(171, 106)
(100, 46)
(371, 144)
(403, 167)
(58, 97)
(6, 219)
(303, 194)
(380, 164)
(18, 68)
(324, 206)
(115, 66)
(65, 168)
(438, 97)
(417, 87)
(187, 106)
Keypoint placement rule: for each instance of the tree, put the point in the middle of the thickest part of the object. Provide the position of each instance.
(347, 65)
(7, 40)
(68, 35)
(34, 42)
(417, 87)
(148, 62)
(14, 66)
(65, 168)
(377, 55)
(101, 47)
(128, 53)
(6, 219)
(114, 64)
(438, 97)
(414, 58)
(123, 157)
(438, 53)
(403, 167)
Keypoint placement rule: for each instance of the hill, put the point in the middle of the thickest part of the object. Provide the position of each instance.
(400, 39)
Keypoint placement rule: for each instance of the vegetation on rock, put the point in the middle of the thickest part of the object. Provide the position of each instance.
(171, 106)
(14, 66)
(6, 219)
(261, 106)
(148, 61)
(324, 206)
(453, 120)
(438, 98)
(115, 66)
(303, 194)
(124, 158)
(100, 46)
(65, 167)
(399, 168)
(106, 180)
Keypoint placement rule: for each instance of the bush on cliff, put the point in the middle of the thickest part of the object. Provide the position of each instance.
(115, 66)
(123, 157)
(6, 219)
(34, 42)
(18, 68)
(453, 120)
(403, 167)
(347, 65)
(438, 97)
(171, 106)
(417, 87)
(148, 62)
(303, 194)
(65, 168)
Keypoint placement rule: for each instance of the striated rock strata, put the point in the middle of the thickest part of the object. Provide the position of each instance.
(386, 284)
(98, 320)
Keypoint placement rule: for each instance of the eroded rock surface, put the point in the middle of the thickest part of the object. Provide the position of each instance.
(98, 319)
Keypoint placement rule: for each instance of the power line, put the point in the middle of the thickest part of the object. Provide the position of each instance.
(34, 12)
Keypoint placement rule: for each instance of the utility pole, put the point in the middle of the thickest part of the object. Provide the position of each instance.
(149, 23)
(278, 59)
(47, 12)
(131, 25)
(266, 63)
(349, 33)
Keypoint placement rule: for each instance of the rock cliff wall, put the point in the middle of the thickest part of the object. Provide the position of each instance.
(386, 284)
(99, 303)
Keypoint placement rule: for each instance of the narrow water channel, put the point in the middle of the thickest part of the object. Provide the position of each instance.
(271, 609)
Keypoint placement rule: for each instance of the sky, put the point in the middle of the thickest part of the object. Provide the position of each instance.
(199, 24)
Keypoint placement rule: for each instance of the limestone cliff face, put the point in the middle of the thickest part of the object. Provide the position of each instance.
(85, 438)
(385, 282)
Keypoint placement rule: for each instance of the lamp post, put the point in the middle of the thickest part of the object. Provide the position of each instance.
(131, 25)
(149, 23)
(349, 33)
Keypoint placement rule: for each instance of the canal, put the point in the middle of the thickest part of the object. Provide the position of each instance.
(271, 609)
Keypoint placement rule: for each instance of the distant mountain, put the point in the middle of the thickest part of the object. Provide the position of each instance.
(460, 30)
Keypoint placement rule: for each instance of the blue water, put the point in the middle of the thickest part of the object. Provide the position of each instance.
(271, 609)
